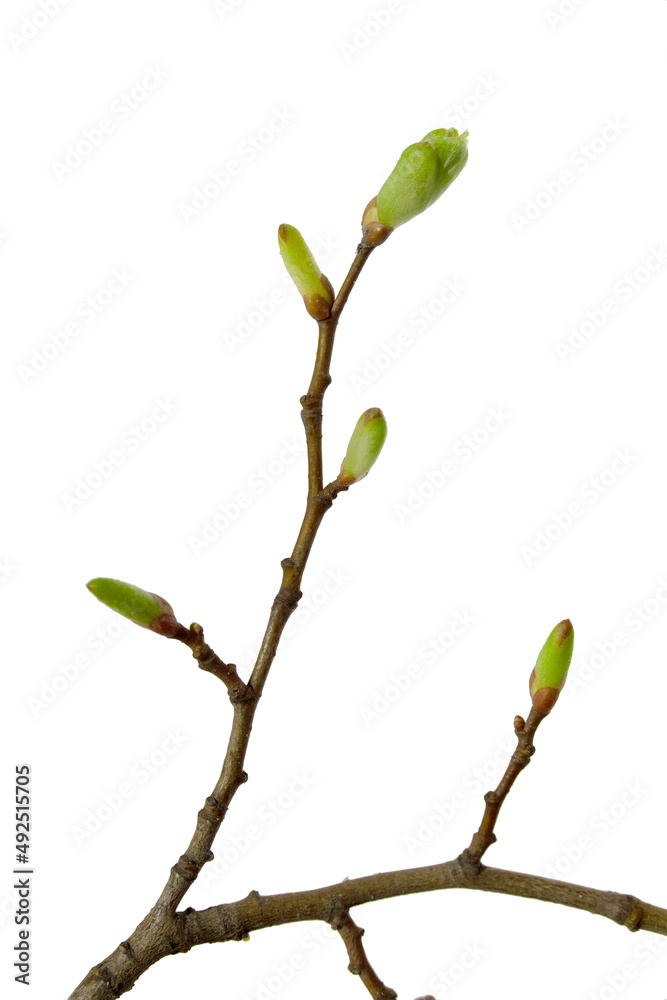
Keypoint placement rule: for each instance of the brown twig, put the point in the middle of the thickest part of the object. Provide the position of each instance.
(120, 970)
(232, 921)
(359, 965)
(311, 402)
(520, 759)
(193, 637)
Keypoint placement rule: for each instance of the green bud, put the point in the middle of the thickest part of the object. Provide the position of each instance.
(548, 677)
(315, 287)
(364, 447)
(452, 150)
(140, 606)
(424, 171)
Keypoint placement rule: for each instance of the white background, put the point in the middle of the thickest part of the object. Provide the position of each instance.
(93, 703)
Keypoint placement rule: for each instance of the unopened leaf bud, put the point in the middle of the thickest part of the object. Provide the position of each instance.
(424, 171)
(550, 672)
(140, 606)
(365, 445)
(315, 287)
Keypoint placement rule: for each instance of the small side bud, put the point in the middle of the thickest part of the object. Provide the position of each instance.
(139, 606)
(315, 287)
(424, 171)
(550, 672)
(365, 445)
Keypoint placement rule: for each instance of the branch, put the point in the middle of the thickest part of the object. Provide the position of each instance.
(210, 661)
(359, 964)
(159, 933)
(422, 174)
(520, 759)
(311, 402)
(233, 921)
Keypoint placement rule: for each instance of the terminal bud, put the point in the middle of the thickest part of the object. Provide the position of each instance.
(139, 606)
(550, 672)
(365, 445)
(424, 171)
(315, 287)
